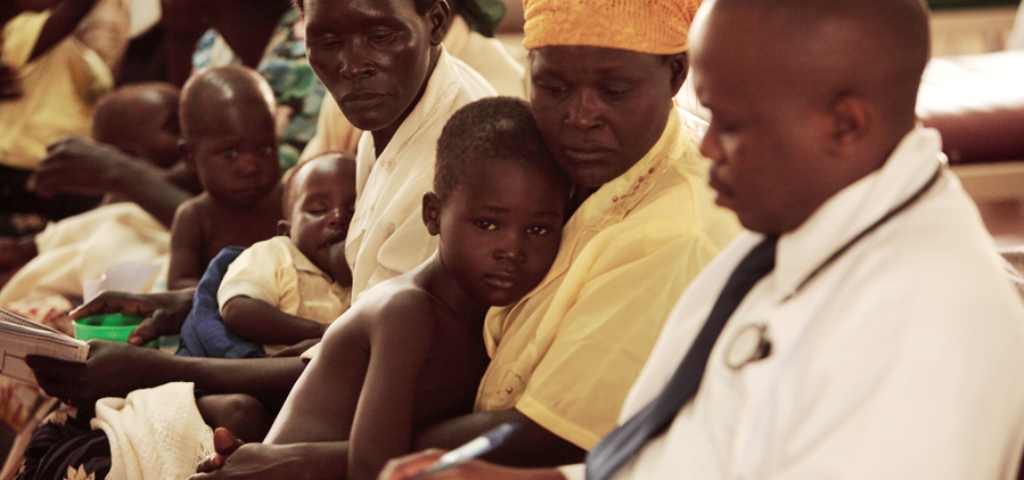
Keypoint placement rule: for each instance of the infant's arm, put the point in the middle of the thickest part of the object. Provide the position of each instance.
(186, 264)
(258, 321)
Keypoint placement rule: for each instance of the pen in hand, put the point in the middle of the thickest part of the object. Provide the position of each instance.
(472, 449)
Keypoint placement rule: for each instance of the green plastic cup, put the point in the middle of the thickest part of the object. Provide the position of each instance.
(115, 327)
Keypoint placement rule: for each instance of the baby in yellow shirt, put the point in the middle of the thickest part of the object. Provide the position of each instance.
(287, 289)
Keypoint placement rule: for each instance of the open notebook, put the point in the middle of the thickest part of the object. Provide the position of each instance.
(20, 337)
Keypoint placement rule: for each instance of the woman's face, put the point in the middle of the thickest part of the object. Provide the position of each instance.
(601, 109)
(373, 57)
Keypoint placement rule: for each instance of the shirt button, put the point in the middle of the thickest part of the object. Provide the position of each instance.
(508, 390)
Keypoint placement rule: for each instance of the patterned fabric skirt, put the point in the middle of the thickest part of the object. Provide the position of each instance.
(66, 448)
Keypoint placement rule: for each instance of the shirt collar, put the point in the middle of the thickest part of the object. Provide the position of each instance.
(856, 207)
(301, 262)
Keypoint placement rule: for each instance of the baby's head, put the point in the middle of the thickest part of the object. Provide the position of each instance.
(499, 200)
(142, 120)
(227, 128)
(319, 198)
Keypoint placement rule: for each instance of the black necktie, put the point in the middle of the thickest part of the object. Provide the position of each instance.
(626, 440)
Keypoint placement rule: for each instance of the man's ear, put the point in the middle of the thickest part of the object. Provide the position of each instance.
(852, 120)
(440, 16)
(432, 213)
(284, 227)
(679, 64)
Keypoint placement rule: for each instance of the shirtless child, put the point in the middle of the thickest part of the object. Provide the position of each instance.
(409, 352)
(227, 125)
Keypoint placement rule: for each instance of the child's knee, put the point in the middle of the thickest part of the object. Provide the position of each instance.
(244, 415)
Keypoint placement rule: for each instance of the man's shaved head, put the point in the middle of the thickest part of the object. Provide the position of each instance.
(806, 96)
(873, 48)
(216, 88)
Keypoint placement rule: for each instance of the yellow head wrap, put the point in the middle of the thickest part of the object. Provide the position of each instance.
(657, 27)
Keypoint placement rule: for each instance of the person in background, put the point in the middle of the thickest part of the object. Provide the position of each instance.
(290, 288)
(141, 119)
(57, 83)
(227, 130)
(265, 35)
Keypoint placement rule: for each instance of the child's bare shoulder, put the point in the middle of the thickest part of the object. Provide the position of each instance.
(197, 205)
(398, 304)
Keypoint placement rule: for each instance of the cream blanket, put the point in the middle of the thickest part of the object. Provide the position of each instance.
(155, 433)
(84, 246)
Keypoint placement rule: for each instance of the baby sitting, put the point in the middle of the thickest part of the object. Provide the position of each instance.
(227, 123)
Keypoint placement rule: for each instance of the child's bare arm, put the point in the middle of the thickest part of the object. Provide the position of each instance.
(258, 321)
(186, 265)
(383, 425)
(323, 404)
(64, 17)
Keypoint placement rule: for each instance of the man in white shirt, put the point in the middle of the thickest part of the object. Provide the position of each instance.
(885, 343)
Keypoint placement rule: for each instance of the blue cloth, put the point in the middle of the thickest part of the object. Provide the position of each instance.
(204, 334)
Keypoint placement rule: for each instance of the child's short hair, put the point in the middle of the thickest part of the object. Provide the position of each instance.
(287, 180)
(493, 128)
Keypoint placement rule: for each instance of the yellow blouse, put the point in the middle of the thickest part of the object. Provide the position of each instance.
(568, 352)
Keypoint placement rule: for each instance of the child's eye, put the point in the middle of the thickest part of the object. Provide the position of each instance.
(537, 230)
(266, 150)
(231, 154)
(486, 225)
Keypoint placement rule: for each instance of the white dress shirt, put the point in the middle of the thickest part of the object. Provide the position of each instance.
(902, 359)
